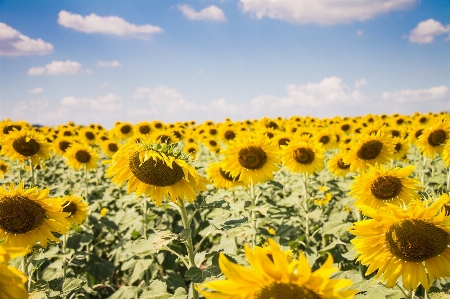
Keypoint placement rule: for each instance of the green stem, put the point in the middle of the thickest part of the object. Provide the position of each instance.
(306, 210)
(33, 179)
(144, 210)
(25, 271)
(403, 291)
(448, 180)
(64, 246)
(253, 214)
(182, 259)
(360, 265)
(86, 182)
(189, 246)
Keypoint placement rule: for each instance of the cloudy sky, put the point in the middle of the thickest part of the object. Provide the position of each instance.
(134, 60)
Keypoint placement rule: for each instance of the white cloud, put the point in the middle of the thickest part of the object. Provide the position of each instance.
(437, 93)
(359, 32)
(106, 25)
(109, 103)
(114, 63)
(56, 68)
(426, 31)
(323, 12)
(210, 13)
(13, 43)
(36, 90)
(360, 82)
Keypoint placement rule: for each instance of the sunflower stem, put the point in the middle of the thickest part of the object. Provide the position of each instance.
(144, 212)
(33, 179)
(25, 271)
(304, 178)
(403, 291)
(253, 214)
(189, 246)
(448, 180)
(86, 182)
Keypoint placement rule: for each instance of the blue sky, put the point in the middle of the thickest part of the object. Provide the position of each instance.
(103, 61)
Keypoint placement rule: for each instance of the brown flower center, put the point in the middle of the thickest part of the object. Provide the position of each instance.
(63, 145)
(164, 139)
(20, 215)
(272, 125)
(386, 187)
(26, 148)
(283, 141)
(89, 135)
(415, 240)
(156, 173)
(125, 129)
(82, 156)
(8, 129)
(324, 139)
(370, 150)
(280, 290)
(3, 168)
(113, 147)
(227, 176)
(342, 165)
(70, 208)
(67, 133)
(398, 147)
(229, 135)
(303, 155)
(144, 129)
(418, 133)
(252, 157)
(437, 137)
(213, 131)
(212, 143)
(345, 127)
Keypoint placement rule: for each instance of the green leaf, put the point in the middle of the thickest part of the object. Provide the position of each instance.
(185, 234)
(196, 275)
(139, 269)
(53, 271)
(157, 290)
(233, 223)
(126, 292)
(154, 243)
(335, 228)
(100, 268)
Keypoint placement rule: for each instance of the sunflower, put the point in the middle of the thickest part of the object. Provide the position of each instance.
(7, 126)
(380, 185)
(401, 148)
(158, 125)
(411, 242)
(220, 178)
(122, 131)
(109, 147)
(4, 167)
(88, 135)
(163, 136)
(12, 280)
(191, 149)
(251, 158)
(156, 170)
(433, 138)
(276, 277)
(445, 154)
(327, 137)
(76, 208)
(370, 149)
(336, 164)
(282, 139)
(228, 132)
(28, 216)
(303, 155)
(26, 144)
(212, 143)
(81, 155)
(62, 143)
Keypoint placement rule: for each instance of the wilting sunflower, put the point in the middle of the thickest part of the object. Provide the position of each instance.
(12, 280)
(76, 208)
(251, 158)
(433, 138)
(336, 164)
(370, 149)
(3, 168)
(81, 155)
(26, 144)
(381, 185)
(156, 170)
(303, 155)
(220, 178)
(411, 242)
(110, 147)
(27, 216)
(275, 277)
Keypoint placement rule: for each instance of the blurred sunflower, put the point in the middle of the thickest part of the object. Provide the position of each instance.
(156, 170)
(276, 277)
(220, 178)
(433, 138)
(158, 125)
(336, 164)
(303, 155)
(81, 155)
(380, 185)
(412, 243)
(28, 216)
(143, 128)
(87, 135)
(26, 144)
(251, 158)
(76, 208)
(368, 150)
(401, 148)
(228, 132)
(4, 167)
(122, 131)
(211, 142)
(12, 281)
(445, 153)
(7, 126)
(109, 147)
(62, 143)
(327, 138)
(163, 136)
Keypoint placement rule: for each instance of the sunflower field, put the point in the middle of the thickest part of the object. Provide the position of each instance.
(279, 208)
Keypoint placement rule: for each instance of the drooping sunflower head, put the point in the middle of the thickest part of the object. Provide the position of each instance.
(251, 158)
(303, 155)
(221, 178)
(28, 216)
(76, 208)
(433, 138)
(81, 155)
(156, 170)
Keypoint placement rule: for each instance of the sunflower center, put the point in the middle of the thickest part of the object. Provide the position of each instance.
(227, 176)
(26, 148)
(342, 165)
(213, 143)
(8, 129)
(70, 208)
(213, 131)
(164, 139)
(113, 147)
(437, 137)
(20, 215)
(324, 139)
(230, 135)
(283, 141)
(386, 187)
(370, 150)
(415, 240)
(125, 129)
(279, 290)
(155, 173)
(89, 135)
(398, 147)
(418, 133)
(63, 145)
(423, 120)
(191, 150)
(82, 156)
(67, 133)
(3, 168)
(252, 157)
(272, 125)
(144, 129)
(303, 155)
(345, 127)
(395, 133)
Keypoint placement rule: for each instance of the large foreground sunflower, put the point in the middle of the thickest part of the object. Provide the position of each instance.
(11, 280)
(28, 216)
(251, 158)
(412, 243)
(381, 185)
(275, 276)
(156, 170)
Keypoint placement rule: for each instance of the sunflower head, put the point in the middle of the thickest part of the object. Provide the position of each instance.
(81, 155)
(433, 138)
(303, 155)
(221, 178)
(76, 208)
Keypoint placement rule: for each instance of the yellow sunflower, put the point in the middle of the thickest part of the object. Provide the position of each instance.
(12, 281)
(220, 178)
(251, 158)
(445, 154)
(7, 126)
(143, 128)
(275, 277)
(76, 208)
(381, 185)
(327, 137)
(88, 135)
(26, 144)
(336, 164)
(62, 143)
(401, 148)
(433, 138)
(110, 147)
(156, 170)
(28, 216)
(191, 149)
(368, 150)
(303, 155)
(81, 155)
(4, 167)
(412, 243)
(228, 132)
(122, 131)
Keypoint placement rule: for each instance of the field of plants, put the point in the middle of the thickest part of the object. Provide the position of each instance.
(279, 208)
